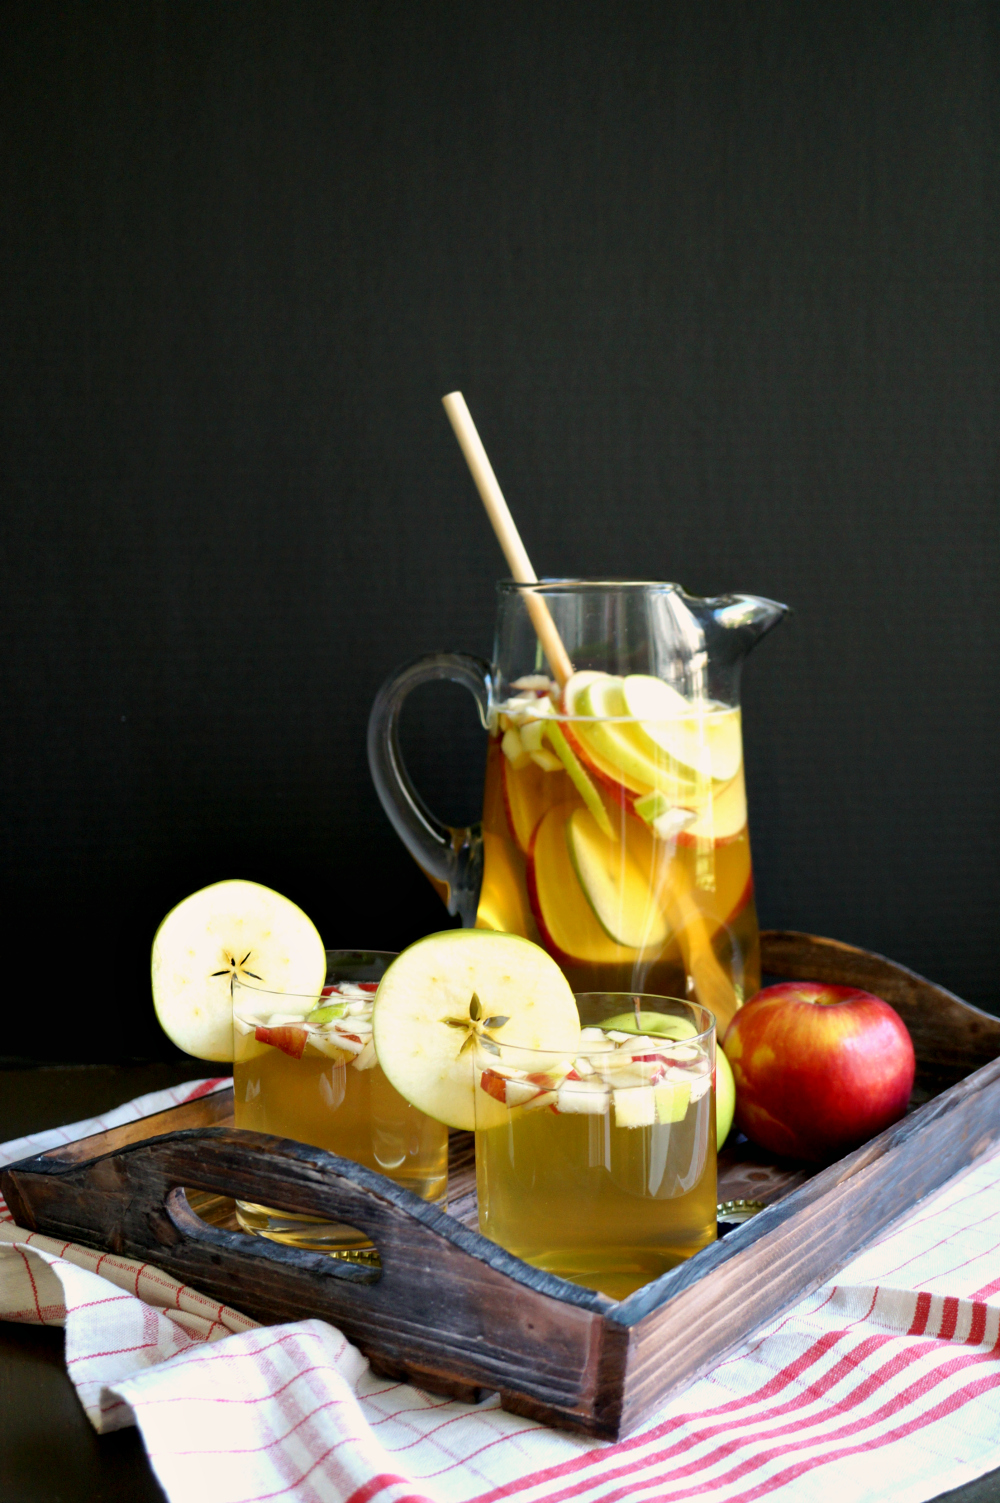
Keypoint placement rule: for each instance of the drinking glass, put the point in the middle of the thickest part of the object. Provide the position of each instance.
(319, 1081)
(599, 1164)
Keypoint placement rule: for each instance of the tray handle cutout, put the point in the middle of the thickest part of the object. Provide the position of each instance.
(289, 1176)
(194, 1229)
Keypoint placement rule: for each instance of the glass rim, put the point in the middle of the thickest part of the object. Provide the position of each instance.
(316, 998)
(570, 586)
(701, 1037)
(701, 710)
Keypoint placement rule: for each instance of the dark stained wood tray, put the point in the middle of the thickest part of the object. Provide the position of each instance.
(456, 1314)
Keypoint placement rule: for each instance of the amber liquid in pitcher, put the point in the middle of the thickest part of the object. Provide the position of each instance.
(638, 900)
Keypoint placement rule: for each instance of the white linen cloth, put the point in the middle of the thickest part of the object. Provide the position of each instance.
(882, 1387)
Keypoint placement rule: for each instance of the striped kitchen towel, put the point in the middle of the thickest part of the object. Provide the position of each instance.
(883, 1387)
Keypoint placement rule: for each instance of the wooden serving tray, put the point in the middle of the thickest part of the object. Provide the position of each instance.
(456, 1314)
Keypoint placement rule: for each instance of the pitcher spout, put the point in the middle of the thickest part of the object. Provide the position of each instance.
(744, 619)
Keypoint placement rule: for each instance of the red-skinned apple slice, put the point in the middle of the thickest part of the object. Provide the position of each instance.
(621, 742)
(564, 917)
(494, 1085)
(619, 781)
(616, 750)
(286, 1037)
(526, 798)
(615, 886)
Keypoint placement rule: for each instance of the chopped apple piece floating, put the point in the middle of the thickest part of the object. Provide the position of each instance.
(289, 1040)
(665, 819)
(672, 1099)
(546, 761)
(583, 1096)
(519, 1092)
(531, 734)
(635, 1106)
(513, 747)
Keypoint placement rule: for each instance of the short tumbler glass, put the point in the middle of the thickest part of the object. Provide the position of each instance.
(600, 1165)
(320, 1083)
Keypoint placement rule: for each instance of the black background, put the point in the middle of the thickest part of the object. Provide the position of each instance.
(720, 285)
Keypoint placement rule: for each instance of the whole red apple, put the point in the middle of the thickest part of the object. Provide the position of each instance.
(819, 1069)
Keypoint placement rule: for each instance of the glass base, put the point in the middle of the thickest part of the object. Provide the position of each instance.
(311, 1233)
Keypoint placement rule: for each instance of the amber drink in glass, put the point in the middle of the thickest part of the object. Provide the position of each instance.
(306, 1068)
(600, 1165)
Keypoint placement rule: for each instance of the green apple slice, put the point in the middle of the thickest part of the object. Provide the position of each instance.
(449, 996)
(230, 931)
(578, 777)
(614, 885)
(725, 1097)
(706, 739)
(575, 687)
(622, 742)
(581, 732)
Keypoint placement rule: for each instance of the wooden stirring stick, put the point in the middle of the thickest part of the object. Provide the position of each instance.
(712, 986)
(507, 534)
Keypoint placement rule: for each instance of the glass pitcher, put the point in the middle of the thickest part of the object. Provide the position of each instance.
(614, 829)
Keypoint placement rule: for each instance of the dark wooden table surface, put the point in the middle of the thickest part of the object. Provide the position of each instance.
(48, 1451)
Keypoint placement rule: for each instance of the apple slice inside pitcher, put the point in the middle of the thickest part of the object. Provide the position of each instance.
(525, 797)
(722, 818)
(503, 897)
(628, 784)
(704, 743)
(453, 993)
(619, 749)
(229, 931)
(566, 920)
(617, 888)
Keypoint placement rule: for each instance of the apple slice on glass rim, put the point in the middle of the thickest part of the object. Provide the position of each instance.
(452, 996)
(230, 932)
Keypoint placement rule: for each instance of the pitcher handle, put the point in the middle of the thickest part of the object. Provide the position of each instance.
(451, 857)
